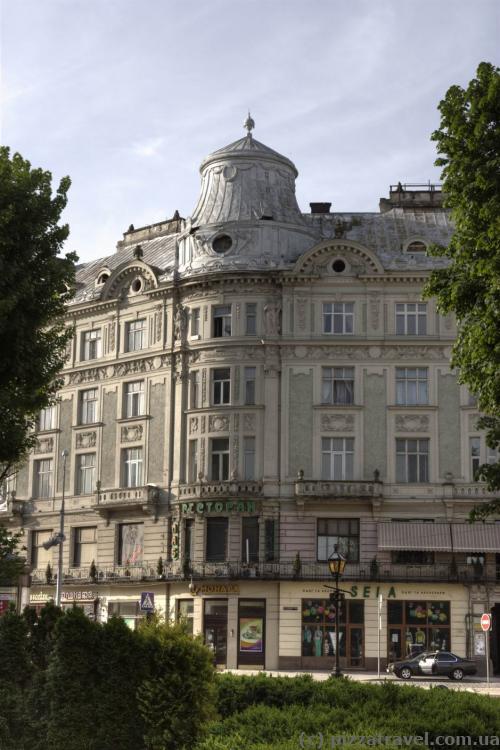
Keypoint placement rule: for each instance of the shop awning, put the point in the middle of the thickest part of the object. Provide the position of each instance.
(414, 536)
(437, 537)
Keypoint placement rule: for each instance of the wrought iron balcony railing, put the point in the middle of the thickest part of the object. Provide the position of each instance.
(272, 570)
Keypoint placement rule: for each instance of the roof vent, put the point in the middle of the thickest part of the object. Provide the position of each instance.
(320, 208)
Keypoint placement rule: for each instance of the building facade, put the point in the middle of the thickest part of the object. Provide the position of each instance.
(245, 389)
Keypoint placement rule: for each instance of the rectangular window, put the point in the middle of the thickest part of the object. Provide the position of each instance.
(222, 321)
(44, 472)
(220, 459)
(412, 386)
(338, 317)
(216, 540)
(221, 385)
(134, 398)
(85, 473)
(411, 318)
(271, 539)
(130, 543)
(91, 344)
(250, 374)
(132, 467)
(136, 335)
(343, 532)
(84, 546)
(46, 419)
(40, 557)
(248, 458)
(195, 389)
(88, 406)
(195, 321)
(337, 385)
(251, 319)
(492, 455)
(475, 455)
(412, 460)
(417, 626)
(337, 458)
(193, 461)
(250, 539)
(412, 557)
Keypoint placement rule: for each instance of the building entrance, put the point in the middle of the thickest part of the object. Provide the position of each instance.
(215, 628)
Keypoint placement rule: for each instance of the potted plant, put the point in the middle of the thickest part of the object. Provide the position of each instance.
(48, 573)
(374, 568)
(93, 572)
(297, 566)
(186, 568)
(160, 570)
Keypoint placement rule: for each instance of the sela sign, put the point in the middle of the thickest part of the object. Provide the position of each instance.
(231, 506)
(486, 622)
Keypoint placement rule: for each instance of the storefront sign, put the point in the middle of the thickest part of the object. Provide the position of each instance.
(360, 591)
(251, 634)
(210, 506)
(66, 596)
(221, 588)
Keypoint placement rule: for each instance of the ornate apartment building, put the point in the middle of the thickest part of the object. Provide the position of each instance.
(245, 389)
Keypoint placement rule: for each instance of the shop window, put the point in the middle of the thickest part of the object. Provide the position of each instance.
(412, 557)
(185, 614)
(319, 620)
(129, 612)
(343, 532)
(337, 385)
(417, 626)
(130, 543)
(250, 539)
(252, 630)
(216, 547)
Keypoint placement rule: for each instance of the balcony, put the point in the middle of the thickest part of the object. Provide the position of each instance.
(11, 507)
(145, 499)
(474, 490)
(284, 570)
(233, 488)
(328, 488)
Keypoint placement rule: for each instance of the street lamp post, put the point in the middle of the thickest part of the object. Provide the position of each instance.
(64, 455)
(336, 563)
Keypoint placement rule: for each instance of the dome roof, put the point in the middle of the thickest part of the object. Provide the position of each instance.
(247, 147)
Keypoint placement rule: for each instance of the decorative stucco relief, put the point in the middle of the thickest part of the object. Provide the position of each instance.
(119, 369)
(131, 433)
(337, 422)
(44, 445)
(412, 422)
(335, 351)
(249, 422)
(193, 425)
(86, 439)
(218, 423)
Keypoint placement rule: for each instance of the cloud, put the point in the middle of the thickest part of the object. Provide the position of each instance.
(148, 147)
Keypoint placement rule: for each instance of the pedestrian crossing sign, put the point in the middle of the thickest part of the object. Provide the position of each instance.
(147, 601)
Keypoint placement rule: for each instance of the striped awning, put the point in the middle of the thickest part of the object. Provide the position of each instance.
(439, 537)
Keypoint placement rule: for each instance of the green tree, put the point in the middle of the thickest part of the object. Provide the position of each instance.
(468, 144)
(35, 284)
(15, 678)
(11, 564)
(178, 698)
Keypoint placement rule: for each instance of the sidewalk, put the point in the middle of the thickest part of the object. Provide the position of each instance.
(468, 684)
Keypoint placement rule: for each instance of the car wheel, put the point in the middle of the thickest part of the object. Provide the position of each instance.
(405, 673)
(457, 674)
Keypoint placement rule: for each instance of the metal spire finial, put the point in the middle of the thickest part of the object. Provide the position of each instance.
(249, 124)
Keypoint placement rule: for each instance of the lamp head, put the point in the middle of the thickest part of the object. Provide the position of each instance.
(336, 562)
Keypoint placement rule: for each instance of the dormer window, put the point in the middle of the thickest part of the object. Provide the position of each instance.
(102, 278)
(417, 247)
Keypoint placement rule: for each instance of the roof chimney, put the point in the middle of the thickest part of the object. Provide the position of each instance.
(320, 208)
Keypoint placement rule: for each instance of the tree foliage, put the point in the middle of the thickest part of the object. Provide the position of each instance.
(468, 144)
(35, 284)
(11, 564)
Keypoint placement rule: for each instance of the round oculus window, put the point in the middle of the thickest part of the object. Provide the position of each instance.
(136, 285)
(338, 266)
(222, 243)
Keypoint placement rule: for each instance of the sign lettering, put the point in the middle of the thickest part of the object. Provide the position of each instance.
(208, 506)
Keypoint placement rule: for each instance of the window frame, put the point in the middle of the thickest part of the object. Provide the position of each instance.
(403, 318)
(420, 454)
(128, 464)
(132, 332)
(83, 406)
(404, 385)
(81, 471)
(346, 453)
(250, 315)
(222, 462)
(331, 318)
(44, 423)
(220, 321)
(76, 557)
(130, 397)
(223, 390)
(89, 342)
(38, 482)
(212, 522)
(334, 382)
(249, 471)
(344, 549)
(249, 385)
(195, 322)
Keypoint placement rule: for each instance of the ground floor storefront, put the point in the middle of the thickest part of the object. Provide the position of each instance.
(270, 625)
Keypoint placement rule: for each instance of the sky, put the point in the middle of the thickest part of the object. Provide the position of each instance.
(128, 96)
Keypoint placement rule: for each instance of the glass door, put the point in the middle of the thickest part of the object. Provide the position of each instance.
(215, 628)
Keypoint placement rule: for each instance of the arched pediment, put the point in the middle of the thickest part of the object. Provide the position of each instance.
(134, 272)
(358, 258)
